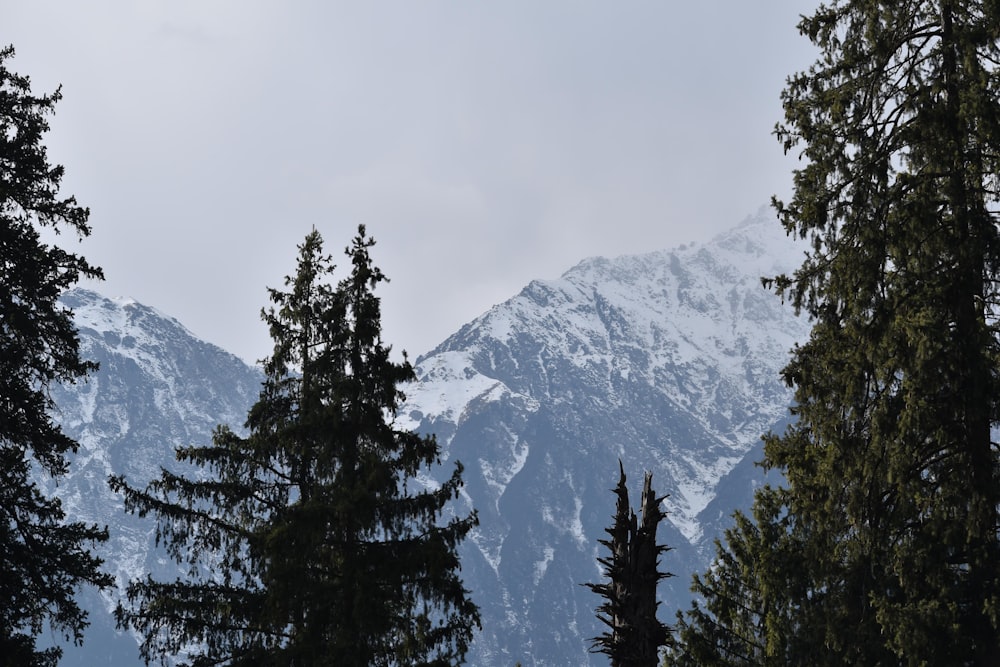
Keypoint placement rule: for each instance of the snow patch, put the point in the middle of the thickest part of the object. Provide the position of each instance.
(448, 383)
(548, 553)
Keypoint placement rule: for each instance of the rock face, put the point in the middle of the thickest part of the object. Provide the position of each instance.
(668, 361)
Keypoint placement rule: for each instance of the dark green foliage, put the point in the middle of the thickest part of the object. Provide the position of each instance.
(893, 482)
(44, 559)
(744, 613)
(727, 628)
(634, 634)
(312, 541)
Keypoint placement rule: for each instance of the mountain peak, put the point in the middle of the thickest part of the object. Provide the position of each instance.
(97, 312)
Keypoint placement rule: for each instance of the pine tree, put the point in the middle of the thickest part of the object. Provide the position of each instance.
(45, 559)
(634, 634)
(313, 540)
(893, 482)
(746, 603)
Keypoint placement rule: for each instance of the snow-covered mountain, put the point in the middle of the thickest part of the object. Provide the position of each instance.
(668, 361)
(158, 387)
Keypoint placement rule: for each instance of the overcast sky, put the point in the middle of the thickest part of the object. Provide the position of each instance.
(484, 144)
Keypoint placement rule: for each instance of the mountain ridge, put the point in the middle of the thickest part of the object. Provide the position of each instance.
(603, 340)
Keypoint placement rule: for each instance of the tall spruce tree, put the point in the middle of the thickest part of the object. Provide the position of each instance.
(43, 559)
(634, 634)
(893, 482)
(311, 541)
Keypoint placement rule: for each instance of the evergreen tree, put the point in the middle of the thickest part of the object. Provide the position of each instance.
(634, 634)
(743, 610)
(892, 475)
(312, 541)
(45, 559)
(728, 630)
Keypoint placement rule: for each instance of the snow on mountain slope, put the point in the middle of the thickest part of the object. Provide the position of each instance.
(668, 360)
(158, 387)
(694, 323)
